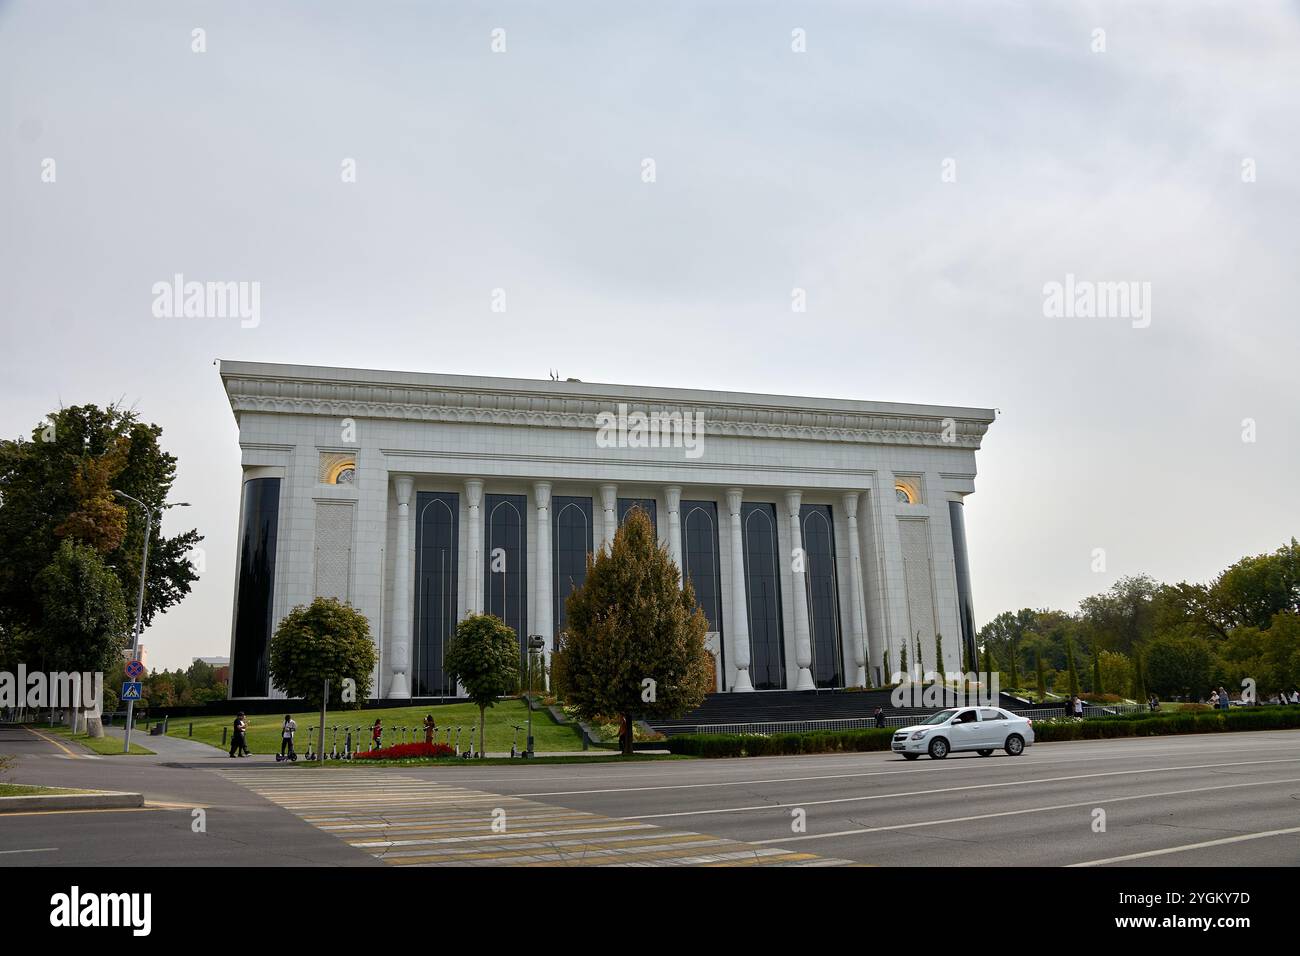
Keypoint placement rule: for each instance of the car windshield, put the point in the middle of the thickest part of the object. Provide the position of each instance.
(940, 718)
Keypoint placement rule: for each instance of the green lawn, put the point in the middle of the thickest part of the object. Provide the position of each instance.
(264, 729)
(23, 790)
(107, 745)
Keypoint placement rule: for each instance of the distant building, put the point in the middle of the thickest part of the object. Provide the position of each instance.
(213, 661)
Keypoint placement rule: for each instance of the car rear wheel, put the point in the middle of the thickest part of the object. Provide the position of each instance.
(985, 753)
(938, 748)
(1015, 745)
(911, 756)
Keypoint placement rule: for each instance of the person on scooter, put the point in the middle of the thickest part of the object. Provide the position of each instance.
(286, 736)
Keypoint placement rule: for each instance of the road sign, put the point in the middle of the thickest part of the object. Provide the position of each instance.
(131, 690)
(134, 670)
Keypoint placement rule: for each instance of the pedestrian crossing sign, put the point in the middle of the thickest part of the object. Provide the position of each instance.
(131, 690)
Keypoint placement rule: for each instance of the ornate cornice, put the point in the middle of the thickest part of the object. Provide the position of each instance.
(550, 405)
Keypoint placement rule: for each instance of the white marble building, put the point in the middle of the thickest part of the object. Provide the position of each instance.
(822, 536)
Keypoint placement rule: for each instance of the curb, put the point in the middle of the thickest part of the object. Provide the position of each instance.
(107, 800)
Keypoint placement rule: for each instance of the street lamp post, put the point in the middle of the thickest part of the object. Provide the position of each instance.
(139, 602)
(535, 643)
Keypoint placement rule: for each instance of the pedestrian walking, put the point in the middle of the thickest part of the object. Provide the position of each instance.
(239, 739)
(1078, 707)
(377, 735)
(286, 735)
(880, 716)
(430, 727)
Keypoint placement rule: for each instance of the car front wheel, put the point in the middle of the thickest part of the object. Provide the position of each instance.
(1015, 745)
(985, 753)
(938, 748)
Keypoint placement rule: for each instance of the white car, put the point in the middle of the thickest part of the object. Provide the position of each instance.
(981, 729)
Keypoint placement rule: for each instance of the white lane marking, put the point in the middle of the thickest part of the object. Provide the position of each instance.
(974, 786)
(1191, 846)
(41, 849)
(1012, 813)
(848, 776)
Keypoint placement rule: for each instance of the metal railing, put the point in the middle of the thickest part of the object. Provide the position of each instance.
(892, 720)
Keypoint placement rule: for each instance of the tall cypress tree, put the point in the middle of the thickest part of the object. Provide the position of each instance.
(1013, 671)
(1096, 670)
(938, 653)
(1139, 677)
(1070, 668)
(1042, 676)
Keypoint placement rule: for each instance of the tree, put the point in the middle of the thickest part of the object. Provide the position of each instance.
(1070, 668)
(58, 485)
(1042, 677)
(1116, 671)
(1096, 671)
(1179, 663)
(324, 640)
(83, 620)
(938, 654)
(636, 638)
(484, 657)
(1139, 677)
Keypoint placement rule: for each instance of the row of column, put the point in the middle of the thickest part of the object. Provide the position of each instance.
(738, 619)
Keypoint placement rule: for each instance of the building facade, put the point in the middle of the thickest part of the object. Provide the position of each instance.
(824, 538)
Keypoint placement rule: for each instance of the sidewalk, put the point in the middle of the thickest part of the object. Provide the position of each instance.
(170, 748)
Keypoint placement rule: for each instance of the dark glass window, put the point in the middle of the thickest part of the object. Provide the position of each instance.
(700, 564)
(572, 541)
(646, 504)
(436, 535)
(823, 595)
(256, 587)
(763, 596)
(505, 563)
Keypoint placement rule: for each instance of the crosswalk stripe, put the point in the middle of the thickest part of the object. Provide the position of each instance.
(404, 821)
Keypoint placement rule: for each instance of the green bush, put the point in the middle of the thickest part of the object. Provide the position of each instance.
(774, 745)
(1159, 725)
(1045, 731)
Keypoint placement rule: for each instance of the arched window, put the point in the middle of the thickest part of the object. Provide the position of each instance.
(763, 596)
(436, 538)
(571, 538)
(505, 560)
(823, 595)
(904, 494)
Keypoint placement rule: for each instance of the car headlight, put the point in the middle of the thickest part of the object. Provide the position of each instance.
(919, 734)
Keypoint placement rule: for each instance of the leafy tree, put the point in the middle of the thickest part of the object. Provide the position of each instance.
(1097, 687)
(902, 662)
(323, 640)
(1139, 677)
(1121, 617)
(1116, 671)
(920, 658)
(938, 653)
(889, 678)
(1179, 663)
(83, 624)
(636, 639)
(484, 656)
(58, 485)
(1042, 676)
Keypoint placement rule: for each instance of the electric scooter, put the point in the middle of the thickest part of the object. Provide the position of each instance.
(514, 744)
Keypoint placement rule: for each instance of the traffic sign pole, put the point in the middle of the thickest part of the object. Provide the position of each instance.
(139, 615)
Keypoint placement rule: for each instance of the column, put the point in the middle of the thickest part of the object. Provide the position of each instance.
(673, 495)
(609, 502)
(544, 625)
(856, 595)
(403, 581)
(738, 624)
(474, 548)
(799, 585)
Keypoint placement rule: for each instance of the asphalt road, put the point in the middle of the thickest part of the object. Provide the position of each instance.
(1225, 800)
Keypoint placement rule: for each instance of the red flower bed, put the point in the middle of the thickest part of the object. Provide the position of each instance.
(406, 751)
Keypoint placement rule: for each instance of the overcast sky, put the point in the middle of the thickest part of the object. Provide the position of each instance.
(775, 169)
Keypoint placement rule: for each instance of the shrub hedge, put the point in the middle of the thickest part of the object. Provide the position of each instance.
(850, 741)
